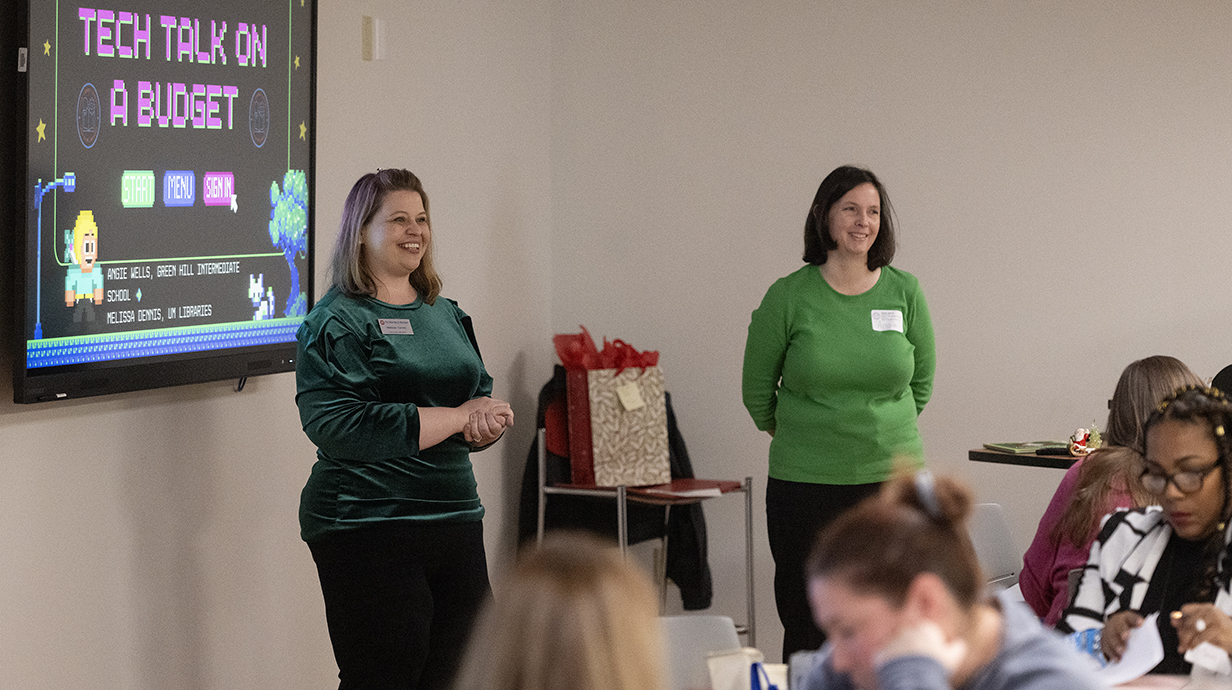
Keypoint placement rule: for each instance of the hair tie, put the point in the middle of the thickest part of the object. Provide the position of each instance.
(926, 491)
(1219, 430)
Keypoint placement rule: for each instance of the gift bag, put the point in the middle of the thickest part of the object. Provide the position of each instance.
(617, 413)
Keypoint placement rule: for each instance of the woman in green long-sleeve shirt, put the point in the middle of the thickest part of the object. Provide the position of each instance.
(838, 365)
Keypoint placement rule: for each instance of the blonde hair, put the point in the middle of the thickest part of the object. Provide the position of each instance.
(1116, 466)
(348, 268)
(574, 615)
(85, 221)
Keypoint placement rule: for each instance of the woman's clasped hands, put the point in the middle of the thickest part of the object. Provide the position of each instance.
(487, 419)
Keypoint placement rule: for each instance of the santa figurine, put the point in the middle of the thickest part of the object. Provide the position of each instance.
(1084, 441)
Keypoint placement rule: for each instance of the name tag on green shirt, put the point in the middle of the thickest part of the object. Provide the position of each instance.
(887, 320)
(402, 326)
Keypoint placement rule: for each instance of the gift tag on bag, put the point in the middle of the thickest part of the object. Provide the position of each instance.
(630, 396)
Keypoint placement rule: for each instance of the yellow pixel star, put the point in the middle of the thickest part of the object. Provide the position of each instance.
(46, 47)
(303, 131)
(296, 62)
(42, 127)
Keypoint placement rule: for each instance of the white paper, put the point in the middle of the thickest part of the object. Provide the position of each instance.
(1209, 657)
(1144, 651)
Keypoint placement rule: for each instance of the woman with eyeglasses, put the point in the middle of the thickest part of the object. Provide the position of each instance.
(1096, 485)
(1170, 558)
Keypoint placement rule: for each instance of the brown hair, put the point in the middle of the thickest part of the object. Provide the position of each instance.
(817, 239)
(1117, 466)
(916, 524)
(1206, 407)
(574, 615)
(348, 267)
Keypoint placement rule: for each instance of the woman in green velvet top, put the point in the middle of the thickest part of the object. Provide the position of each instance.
(392, 390)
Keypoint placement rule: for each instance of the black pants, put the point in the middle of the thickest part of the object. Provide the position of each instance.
(795, 513)
(400, 600)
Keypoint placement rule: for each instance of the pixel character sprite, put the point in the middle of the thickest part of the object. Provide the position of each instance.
(262, 297)
(83, 286)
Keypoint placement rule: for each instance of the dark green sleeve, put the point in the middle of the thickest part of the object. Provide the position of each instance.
(485, 379)
(339, 404)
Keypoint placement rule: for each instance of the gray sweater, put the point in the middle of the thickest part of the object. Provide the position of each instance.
(1030, 658)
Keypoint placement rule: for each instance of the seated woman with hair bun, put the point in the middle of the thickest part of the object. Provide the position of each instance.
(896, 586)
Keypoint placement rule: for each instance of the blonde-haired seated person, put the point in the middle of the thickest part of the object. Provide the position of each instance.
(573, 615)
(896, 586)
(1171, 558)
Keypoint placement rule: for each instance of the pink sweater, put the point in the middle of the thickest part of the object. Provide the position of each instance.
(1044, 579)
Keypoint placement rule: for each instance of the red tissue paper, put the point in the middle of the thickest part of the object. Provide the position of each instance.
(577, 351)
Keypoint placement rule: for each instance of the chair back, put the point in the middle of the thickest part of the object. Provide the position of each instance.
(994, 545)
(689, 639)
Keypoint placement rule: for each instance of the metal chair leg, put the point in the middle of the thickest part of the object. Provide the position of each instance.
(543, 482)
(622, 519)
(748, 561)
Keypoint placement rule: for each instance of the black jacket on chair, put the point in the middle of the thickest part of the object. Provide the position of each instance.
(687, 563)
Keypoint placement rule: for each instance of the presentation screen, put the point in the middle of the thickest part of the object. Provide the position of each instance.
(168, 186)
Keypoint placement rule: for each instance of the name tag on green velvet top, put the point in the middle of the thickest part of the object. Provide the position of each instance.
(395, 326)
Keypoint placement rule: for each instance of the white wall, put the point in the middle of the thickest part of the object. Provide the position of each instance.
(150, 540)
(1060, 171)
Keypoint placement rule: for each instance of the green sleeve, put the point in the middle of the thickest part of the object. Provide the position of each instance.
(485, 379)
(764, 352)
(920, 334)
(339, 401)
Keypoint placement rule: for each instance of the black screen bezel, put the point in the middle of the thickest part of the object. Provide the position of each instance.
(125, 375)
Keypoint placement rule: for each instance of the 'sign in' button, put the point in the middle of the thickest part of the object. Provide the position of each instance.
(218, 188)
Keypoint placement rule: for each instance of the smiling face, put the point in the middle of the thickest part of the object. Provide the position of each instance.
(857, 626)
(855, 219)
(89, 249)
(394, 241)
(1174, 446)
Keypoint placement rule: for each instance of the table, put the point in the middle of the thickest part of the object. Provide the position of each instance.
(1060, 462)
(675, 493)
(1154, 682)
(1170, 682)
